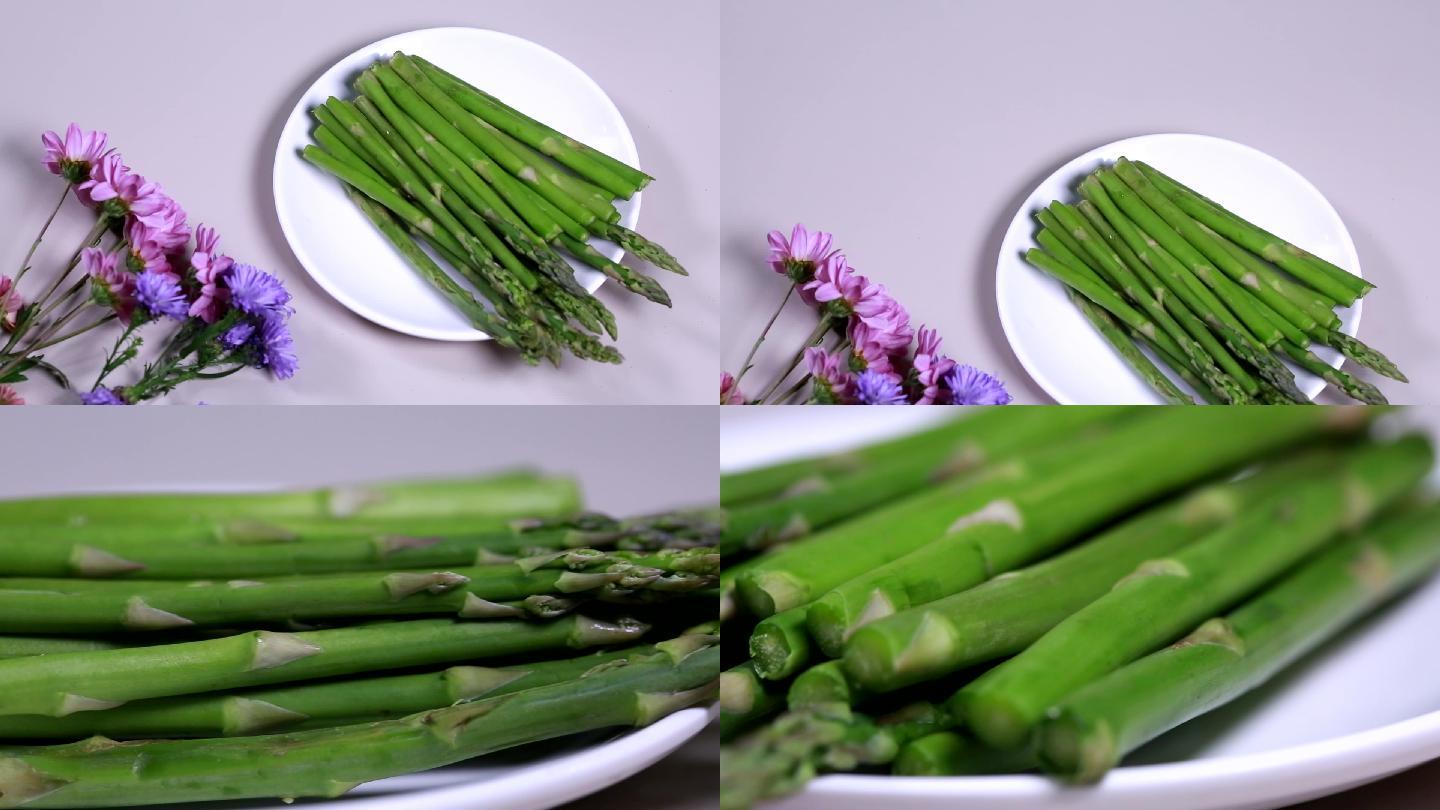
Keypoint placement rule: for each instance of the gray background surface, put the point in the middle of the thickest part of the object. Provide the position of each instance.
(194, 95)
(914, 130)
(628, 460)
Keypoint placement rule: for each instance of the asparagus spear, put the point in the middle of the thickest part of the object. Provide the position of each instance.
(62, 684)
(1184, 444)
(779, 644)
(1312, 303)
(1008, 613)
(315, 705)
(485, 140)
(1192, 323)
(462, 592)
(1352, 387)
(598, 200)
(1294, 323)
(1122, 278)
(821, 684)
(745, 700)
(1330, 280)
(504, 495)
(329, 762)
(23, 646)
(955, 437)
(1366, 356)
(473, 310)
(781, 758)
(1129, 352)
(1245, 306)
(1165, 597)
(1102, 192)
(1155, 456)
(952, 753)
(599, 168)
(1225, 657)
(825, 501)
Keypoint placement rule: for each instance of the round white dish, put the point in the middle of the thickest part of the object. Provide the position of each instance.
(1362, 707)
(1054, 342)
(341, 249)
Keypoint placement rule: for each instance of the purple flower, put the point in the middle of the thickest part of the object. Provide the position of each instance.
(164, 220)
(238, 335)
(971, 386)
(102, 396)
(161, 294)
(210, 268)
(930, 367)
(145, 252)
(833, 383)
(72, 156)
(876, 388)
(798, 256)
(256, 292)
(730, 393)
(276, 347)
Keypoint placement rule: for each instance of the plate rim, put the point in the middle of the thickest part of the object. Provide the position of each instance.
(298, 114)
(1022, 213)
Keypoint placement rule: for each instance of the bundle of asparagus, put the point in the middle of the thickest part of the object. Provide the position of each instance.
(338, 635)
(499, 196)
(1220, 301)
(1068, 600)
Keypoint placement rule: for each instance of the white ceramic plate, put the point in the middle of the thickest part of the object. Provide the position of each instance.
(1055, 343)
(339, 247)
(1362, 707)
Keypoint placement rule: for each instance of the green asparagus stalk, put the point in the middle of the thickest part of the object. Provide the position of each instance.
(515, 285)
(461, 592)
(1244, 306)
(62, 684)
(599, 168)
(1179, 366)
(821, 684)
(1167, 596)
(824, 501)
(23, 646)
(1102, 192)
(632, 280)
(1109, 477)
(953, 753)
(1079, 280)
(1312, 303)
(599, 201)
(1354, 388)
(1328, 279)
(503, 495)
(1294, 323)
(1366, 356)
(1129, 352)
(473, 310)
(1007, 614)
(784, 756)
(1192, 323)
(316, 705)
(780, 645)
(1226, 657)
(955, 437)
(1120, 276)
(484, 139)
(746, 700)
(329, 762)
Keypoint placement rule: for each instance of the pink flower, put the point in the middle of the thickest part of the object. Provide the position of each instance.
(72, 156)
(872, 349)
(111, 284)
(930, 367)
(852, 294)
(210, 267)
(798, 256)
(8, 396)
(12, 303)
(110, 179)
(145, 253)
(834, 384)
(165, 220)
(730, 393)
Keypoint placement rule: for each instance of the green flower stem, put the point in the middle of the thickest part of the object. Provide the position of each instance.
(30, 254)
(74, 332)
(816, 337)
